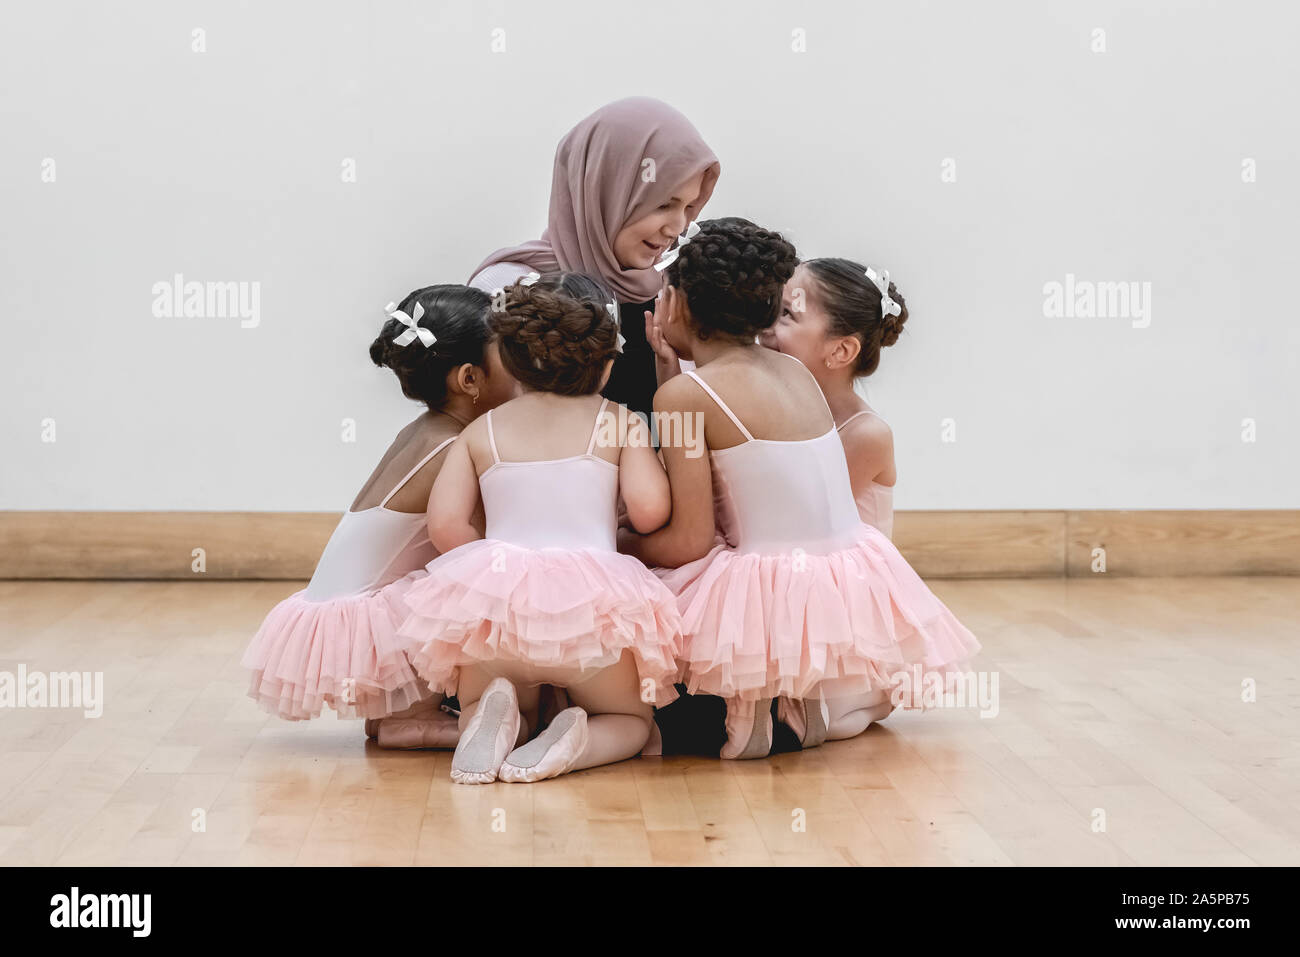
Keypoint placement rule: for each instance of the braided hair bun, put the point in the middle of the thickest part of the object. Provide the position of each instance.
(557, 333)
(732, 273)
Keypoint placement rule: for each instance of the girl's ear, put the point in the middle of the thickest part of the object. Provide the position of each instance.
(466, 380)
(843, 352)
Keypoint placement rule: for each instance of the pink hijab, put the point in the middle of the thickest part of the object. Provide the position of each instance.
(598, 188)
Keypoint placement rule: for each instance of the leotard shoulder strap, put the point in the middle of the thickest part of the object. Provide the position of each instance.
(492, 439)
(815, 382)
(595, 429)
(840, 427)
(721, 405)
(419, 465)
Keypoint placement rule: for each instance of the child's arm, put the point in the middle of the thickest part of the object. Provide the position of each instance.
(690, 531)
(454, 499)
(869, 448)
(641, 478)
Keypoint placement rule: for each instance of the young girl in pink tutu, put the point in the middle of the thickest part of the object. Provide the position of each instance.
(335, 642)
(545, 598)
(803, 599)
(836, 316)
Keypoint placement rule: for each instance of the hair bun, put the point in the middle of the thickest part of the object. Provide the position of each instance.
(891, 327)
(556, 333)
(457, 316)
(732, 274)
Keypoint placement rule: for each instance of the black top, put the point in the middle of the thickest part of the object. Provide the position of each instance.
(632, 380)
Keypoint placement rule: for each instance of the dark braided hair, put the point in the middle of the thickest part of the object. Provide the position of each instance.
(852, 304)
(732, 273)
(556, 334)
(457, 316)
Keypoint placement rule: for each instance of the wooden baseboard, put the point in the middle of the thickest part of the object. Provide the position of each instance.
(1182, 543)
(959, 544)
(162, 545)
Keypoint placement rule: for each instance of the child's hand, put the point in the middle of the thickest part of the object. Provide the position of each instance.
(667, 362)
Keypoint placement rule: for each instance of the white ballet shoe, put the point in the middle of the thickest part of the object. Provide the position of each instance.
(881, 711)
(489, 736)
(808, 718)
(551, 753)
(406, 734)
(749, 730)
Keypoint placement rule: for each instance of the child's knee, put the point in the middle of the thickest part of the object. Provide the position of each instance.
(642, 734)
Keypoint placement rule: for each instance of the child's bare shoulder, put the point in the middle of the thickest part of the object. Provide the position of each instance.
(680, 393)
(868, 433)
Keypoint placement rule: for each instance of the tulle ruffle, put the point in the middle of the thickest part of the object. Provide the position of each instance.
(568, 610)
(805, 625)
(343, 652)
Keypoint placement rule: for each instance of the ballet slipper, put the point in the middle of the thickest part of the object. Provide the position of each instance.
(882, 711)
(551, 753)
(425, 707)
(808, 718)
(489, 736)
(404, 734)
(749, 730)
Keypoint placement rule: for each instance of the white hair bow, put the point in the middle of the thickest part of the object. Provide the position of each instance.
(612, 309)
(531, 278)
(414, 330)
(887, 306)
(670, 255)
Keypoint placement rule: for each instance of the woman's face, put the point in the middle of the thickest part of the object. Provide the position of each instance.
(802, 329)
(639, 244)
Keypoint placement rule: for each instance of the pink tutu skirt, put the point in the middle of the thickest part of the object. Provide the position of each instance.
(342, 652)
(566, 612)
(804, 625)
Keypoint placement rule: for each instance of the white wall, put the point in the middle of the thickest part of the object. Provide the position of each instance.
(225, 165)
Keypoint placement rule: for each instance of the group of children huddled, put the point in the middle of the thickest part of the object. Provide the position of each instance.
(525, 534)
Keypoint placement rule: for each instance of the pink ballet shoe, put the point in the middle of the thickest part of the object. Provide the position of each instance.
(551, 753)
(749, 730)
(489, 736)
(808, 718)
(405, 734)
(427, 707)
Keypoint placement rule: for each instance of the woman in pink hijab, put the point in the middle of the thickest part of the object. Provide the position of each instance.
(628, 180)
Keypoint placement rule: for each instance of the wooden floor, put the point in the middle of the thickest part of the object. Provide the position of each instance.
(1120, 697)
